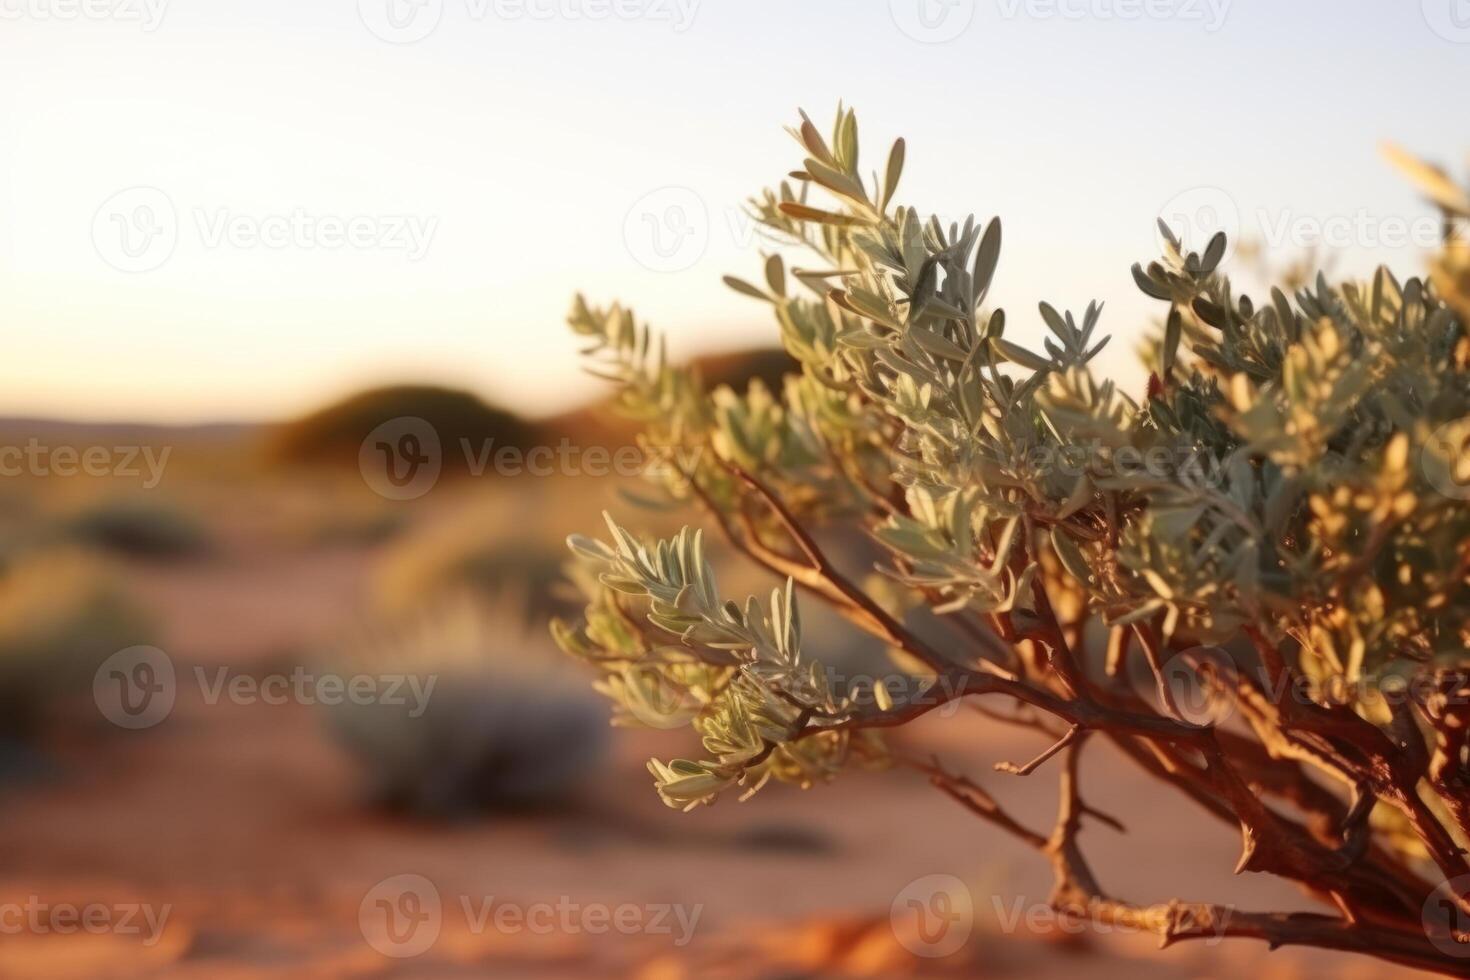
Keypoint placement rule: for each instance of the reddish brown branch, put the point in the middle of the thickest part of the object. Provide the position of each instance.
(1336, 859)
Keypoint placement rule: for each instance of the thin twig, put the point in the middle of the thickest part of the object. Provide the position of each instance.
(1040, 760)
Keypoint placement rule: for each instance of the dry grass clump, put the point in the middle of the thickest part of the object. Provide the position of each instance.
(61, 614)
(500, 726)
(134, 528)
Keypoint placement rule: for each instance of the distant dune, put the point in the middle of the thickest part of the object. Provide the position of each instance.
(333, 434)
(58, 430)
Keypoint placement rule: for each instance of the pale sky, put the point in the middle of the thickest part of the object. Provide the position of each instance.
(179, 178)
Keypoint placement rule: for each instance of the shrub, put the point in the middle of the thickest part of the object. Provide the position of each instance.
(137, 529)
(61, 615)
(499, 729)
(1279, 518)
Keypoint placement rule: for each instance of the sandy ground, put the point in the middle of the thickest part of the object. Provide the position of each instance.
(245, 824)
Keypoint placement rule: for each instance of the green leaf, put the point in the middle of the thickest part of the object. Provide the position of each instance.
(804, 213)
(776, 275)
(836, 181)
(895, 172)
(1020, 355)
(741, 286)
(1055, 323)
(1214, 252)
(1071, 556)
(1147, 284)
(938, 345)
(813, 141)
(987, 256)
(1173, 333)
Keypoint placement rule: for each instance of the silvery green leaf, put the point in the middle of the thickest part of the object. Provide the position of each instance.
(893, 174)
(1020, 355)
(1070, 556)
(1173, 333)
(862, 340)
(741, 286)
(626, 586)
(836, 181)
(1148, 285)
(589, 548)
(986, 259)
(1056, 324)
(937, 344)
(1214, 252)
(776, 275)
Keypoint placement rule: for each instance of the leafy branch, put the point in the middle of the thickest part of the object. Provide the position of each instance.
(1286, 491)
